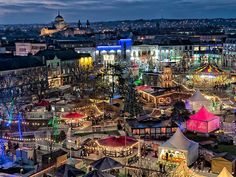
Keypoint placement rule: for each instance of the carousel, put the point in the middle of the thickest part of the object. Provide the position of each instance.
(208, 75)
(117, 147)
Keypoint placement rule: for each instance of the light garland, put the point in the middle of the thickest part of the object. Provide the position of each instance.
(26, 123)
(29, 139)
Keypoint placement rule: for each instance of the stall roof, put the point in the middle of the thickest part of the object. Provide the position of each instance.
(203, 115)
(150, 123)
(226, 156)
(225, 173)
(179, 141)
(198, 96)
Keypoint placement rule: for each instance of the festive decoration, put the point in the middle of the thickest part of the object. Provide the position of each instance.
(19, 124)
(132, 106)
(54, 122)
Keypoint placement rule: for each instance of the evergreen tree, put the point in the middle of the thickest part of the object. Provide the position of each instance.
(179, 112)
(132, 106)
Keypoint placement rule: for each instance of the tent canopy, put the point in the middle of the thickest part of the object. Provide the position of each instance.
(203, 115)
(97, 173)
(225, 173)
(198, 97)
(183, 171)
(106, 163)
(73, 115)
(69, 171)
(121, 141)
(179, 141)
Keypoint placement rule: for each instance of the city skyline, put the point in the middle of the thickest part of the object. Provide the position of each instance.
(32, 11)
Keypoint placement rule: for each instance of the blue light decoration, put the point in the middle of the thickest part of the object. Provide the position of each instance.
(109, 48)
(3, 157)
(19, 117)
(10, 113)
(125, 44)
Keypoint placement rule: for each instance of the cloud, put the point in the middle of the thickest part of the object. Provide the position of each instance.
(29, 11)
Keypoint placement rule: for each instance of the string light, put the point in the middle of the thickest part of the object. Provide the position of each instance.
(29, 139)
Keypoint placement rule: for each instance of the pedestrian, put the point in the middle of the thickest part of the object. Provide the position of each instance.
(160, 166)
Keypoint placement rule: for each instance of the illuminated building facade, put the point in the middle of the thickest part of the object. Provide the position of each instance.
(157, 55)
(174, 53)
(107, 55)
(29, 48)
(208, 53)
(144, 54)
(22, 76)
(59, 25)
(229, 53)
(63, 65)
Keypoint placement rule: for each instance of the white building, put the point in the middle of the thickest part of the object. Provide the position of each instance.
(229, 53)
(26, 48)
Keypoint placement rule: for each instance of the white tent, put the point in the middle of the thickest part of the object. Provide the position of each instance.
(197, 100)
(225, 173)
(178, 148)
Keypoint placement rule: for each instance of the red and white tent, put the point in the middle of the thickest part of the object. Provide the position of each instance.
(203, 121)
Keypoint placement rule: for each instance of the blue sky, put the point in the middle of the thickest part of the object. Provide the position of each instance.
(43, 11)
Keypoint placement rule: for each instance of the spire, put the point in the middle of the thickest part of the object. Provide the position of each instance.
(59, 13)
(87, 24)
(79, 24)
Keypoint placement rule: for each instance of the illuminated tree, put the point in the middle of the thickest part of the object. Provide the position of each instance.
(132, 106)
(54, 123)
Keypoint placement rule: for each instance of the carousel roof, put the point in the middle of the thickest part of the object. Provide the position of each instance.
(73, 115)
(43, 103)
(121, 141)
(203, 114)
(209, 69)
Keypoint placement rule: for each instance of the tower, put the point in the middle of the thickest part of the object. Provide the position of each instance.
(79, 24)
(166, 78)
(87, 24)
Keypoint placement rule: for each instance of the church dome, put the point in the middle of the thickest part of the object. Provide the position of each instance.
(59, 18)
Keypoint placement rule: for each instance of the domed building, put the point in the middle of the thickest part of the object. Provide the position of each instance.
(60, 23)
(58, 26)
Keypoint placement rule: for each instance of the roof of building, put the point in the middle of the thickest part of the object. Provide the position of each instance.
(63, 54)
(150, 123)
(226, 156)
(13, 63)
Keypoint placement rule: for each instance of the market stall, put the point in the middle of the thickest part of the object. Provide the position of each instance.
(196, 101)
(177, 149)
(221, 161)
(121, 146)
(203, 122)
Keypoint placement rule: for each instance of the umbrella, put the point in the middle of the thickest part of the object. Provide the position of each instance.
(96, 173)
(68, 171)
(106, 163)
